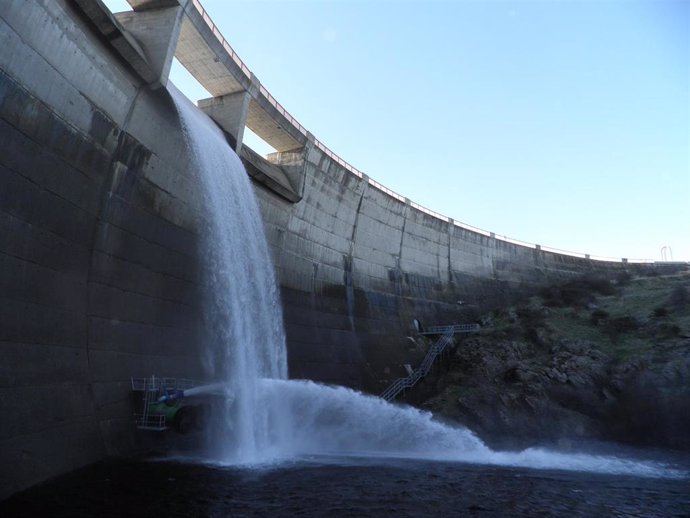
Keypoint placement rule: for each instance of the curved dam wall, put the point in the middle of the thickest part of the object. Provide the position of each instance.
(358, 265)
(99, 219)
(99, 274)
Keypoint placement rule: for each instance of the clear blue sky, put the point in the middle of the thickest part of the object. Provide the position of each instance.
(560, 123)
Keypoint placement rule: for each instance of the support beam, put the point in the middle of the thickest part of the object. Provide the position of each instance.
(122, 41)
(140, 5)
(294, 163)
(267, 174)
(157, 32)
(230, 112)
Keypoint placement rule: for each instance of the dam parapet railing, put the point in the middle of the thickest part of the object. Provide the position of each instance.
(240, 100)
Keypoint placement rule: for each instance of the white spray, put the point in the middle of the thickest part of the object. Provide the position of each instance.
(269, 418)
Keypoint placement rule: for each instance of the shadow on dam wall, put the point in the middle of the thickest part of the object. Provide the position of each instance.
(100, 277)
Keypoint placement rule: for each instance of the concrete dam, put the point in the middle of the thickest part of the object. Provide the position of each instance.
(101, 211)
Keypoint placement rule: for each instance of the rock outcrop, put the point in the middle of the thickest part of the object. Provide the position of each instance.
(613, 366)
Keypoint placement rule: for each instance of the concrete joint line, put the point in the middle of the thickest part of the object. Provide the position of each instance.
(356, 222)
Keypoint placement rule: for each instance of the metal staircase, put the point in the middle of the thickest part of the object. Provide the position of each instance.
(446, 332)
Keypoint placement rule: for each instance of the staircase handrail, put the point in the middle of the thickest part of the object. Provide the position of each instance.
(434, 351)
(410, 381)
(457, 328)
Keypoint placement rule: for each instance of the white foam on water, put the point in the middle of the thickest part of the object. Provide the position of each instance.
(336, 421)
(269, 419)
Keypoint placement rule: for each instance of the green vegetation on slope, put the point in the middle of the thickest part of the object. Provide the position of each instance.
(591, 358)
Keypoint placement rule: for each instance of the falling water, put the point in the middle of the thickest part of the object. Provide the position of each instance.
(242, 310)
(268, 418)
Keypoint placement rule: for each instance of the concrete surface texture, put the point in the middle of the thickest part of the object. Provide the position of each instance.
(99, 219)
(98, 214)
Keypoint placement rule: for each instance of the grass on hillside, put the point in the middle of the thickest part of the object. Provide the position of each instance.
(624, 318)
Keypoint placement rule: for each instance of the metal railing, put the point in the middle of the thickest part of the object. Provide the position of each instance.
(401, 384)
(153, 422)
(459, 328)
(152, 388)
(446, 332)
(155, 384)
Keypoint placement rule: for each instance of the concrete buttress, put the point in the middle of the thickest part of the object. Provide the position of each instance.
(230, 112)
(157, 31)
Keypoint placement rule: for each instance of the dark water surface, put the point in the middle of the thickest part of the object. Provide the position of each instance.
(345, 487)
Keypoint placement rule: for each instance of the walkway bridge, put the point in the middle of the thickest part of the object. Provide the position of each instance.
(156, 30)
(446, 339)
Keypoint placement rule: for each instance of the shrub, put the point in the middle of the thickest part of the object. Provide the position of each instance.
(648, 271)
(668, 330)
(598, 284)
(679, 296)
(500, 313)
(570, 294)
(660, 312)
(529, 316)
(576, 293)
(532, 335)
(617, 326)
(550, 295)
(598, 316)
(623, 278)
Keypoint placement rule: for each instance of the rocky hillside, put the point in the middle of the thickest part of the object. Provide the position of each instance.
(591, 359)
